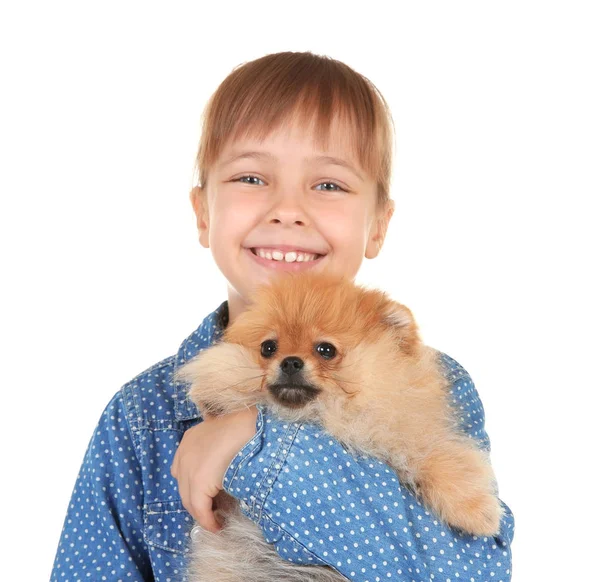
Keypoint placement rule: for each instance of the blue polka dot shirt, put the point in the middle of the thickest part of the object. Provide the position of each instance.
(315, 502)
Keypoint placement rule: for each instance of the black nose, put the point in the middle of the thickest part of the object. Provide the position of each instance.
(291, 365)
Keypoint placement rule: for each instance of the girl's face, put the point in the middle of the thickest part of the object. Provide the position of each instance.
(283, 208)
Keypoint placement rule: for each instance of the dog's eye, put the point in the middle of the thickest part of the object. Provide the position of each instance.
(268, 348)
(325, 350)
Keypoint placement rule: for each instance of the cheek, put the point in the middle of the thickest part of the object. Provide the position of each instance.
(231, 221)
(324, 376)
(271, 372)
(344, 228)
(349, 370)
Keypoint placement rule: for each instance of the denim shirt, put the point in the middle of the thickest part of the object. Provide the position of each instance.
(312, 499)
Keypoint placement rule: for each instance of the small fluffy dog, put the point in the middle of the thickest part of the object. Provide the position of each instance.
(318, 348)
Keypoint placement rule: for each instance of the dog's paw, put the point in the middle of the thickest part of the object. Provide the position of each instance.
(458, 484)
(478, 516)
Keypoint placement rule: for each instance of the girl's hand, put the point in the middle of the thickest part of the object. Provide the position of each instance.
(203, 456)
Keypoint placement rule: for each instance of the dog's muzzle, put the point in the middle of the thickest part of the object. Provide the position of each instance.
(291, 389)
(293, 394)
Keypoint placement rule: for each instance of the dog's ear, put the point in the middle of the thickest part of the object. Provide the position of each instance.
(400, 320)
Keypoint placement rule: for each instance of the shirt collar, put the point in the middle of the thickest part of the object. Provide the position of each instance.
(208, 333)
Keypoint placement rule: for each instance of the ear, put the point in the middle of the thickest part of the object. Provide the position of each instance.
(199, 202)
(400, 320)
(379, 229)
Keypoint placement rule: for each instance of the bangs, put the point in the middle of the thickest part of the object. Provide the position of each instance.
(315, 91)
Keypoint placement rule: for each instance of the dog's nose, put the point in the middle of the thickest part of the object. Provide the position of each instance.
(291, 365)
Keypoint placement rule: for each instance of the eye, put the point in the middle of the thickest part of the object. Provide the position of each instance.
(251, 177)
(326, 351)
(243, 180)
(268, 348)
(339, 188)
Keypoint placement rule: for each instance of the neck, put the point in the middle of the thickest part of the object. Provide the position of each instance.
(235, 303)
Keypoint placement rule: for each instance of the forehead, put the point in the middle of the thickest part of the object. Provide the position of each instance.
(295, 139)
(299, 312)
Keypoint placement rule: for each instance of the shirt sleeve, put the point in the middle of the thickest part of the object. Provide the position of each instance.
(102, 534)
(318, 504)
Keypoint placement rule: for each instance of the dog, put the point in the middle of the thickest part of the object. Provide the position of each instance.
(319, 348)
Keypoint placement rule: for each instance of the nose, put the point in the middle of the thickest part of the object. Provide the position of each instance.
(291, 365)
(288, 211)
(286, 218)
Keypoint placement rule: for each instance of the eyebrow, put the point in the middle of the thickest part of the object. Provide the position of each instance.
(270, 157)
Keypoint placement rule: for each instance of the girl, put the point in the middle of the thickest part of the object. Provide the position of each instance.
(294, 170)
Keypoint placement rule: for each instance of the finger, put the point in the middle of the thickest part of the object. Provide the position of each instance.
(203, 513)
(184, 493)
(175, 465)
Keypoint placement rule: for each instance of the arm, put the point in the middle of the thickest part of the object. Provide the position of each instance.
(102, 532)
(316, 503)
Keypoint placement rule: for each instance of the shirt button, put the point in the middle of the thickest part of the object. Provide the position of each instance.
(196, 532)
(243, 505)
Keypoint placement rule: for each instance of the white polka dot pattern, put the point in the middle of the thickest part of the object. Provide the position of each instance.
(314, 501)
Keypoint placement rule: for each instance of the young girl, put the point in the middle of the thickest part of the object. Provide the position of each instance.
(294, 172)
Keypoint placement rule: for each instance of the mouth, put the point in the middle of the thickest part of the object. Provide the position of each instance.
(285, 258)
(293, 395)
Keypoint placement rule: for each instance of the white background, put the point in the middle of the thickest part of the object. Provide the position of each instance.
(494, 244)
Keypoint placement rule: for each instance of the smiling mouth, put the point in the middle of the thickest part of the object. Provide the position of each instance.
(287, 256)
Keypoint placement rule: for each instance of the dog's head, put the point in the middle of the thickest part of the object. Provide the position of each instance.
(314, 336)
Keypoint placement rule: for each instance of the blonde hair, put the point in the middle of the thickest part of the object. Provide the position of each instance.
(259, 96)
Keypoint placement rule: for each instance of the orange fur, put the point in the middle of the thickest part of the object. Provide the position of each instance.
(383, 393)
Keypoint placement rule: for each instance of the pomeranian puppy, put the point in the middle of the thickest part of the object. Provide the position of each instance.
(318, 348)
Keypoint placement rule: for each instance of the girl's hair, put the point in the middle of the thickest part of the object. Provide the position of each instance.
(261, 95)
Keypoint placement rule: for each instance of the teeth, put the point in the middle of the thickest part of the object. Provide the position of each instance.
(289, 257)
